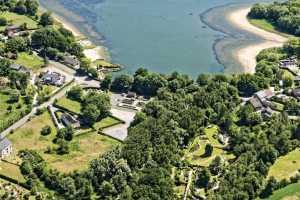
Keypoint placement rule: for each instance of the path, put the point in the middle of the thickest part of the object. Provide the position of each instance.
(187, 188)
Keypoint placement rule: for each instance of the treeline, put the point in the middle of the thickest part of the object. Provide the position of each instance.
(285, 16)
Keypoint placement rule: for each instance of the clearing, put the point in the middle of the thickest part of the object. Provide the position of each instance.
(194, 153)
(290, 192)
(32, 61)
(286, 166)
(83, 148)
(16, 19)
(69, 104)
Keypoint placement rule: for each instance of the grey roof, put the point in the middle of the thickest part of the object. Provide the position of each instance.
(268, 93)
(15, 66)
(297, 78)
(72, 60)
(255, 103)
(296, 92)
(51, 77)
(4, 143)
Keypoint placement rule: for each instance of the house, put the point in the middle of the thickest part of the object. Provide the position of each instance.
(21, 69)
(287, 63)
(296, 92)
(257, 105)
(264, 94)
(72, 61)
(268, 112)
(53, 78)
(10, 31)
(70, 121)
(5, 148)
(297, 79)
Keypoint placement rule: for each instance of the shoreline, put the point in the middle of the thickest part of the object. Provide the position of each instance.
(246, 56)
(96, 53)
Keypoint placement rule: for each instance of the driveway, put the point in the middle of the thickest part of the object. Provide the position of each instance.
(120, 132)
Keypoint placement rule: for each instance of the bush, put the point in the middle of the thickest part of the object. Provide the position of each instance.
(3, 21)
(46, 130)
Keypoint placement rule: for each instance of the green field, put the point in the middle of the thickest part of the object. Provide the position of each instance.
(290, 192)
(33, 62)
(106, 122)
(84, 147)
(18, 20)
(7, 117)
(69, 104)
(11, 171)
(286, 166)
(194, 153)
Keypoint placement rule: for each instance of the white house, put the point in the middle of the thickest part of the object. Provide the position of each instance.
(5, 148)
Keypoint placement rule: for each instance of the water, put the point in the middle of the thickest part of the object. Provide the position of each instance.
(161, 35)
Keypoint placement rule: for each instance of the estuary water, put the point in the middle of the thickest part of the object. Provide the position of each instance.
(188, 36)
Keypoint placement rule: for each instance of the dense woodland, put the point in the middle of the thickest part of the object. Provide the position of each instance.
(285, 16)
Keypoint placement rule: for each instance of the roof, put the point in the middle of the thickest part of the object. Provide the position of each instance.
(297, 78)
(15, 66)
(255, 103)
(265, 94)
(296, 92)
(12, 27)
(4, 143)
(69, 120)
(72, 60)
(52, 77)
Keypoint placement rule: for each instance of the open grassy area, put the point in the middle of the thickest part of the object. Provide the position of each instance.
(106, 122)
(6, 117)
(84, 147)
(105, 64)
(290, 192)
(33, 61)
(17, 19)
(194, 153)
(286, 166)
(69, 104)
(11, 171)
(265, 25)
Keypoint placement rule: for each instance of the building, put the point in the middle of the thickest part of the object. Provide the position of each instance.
(21, 69)
(70, 121)
(263, 95)
(257, 105)
(10, 31)
(131, 95)
(72, 61)
(5, 148)
(296, 92)
(287, 63)
(53, 78)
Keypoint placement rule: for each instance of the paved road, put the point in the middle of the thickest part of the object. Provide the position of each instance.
(187, 188)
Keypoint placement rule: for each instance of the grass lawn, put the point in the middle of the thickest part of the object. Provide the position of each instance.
(106, 122)
(17, 19)
(265, 25)
(194, 153)
(290, 192)
(84, 147)
(286, 166)
(33, 62)
(69, 104)
(11, 171)
(7, 117)
(105, 64)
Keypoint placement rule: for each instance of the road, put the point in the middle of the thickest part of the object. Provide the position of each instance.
(187, 188)
(72, 74)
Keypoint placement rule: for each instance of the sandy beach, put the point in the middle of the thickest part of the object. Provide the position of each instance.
(96, 53)
(247, 55)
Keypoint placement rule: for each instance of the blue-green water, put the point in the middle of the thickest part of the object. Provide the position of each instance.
(161, 35)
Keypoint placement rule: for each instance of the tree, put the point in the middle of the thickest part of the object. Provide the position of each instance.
(46, 19)
(63, 147)
(106, 83)
(31, 7)
(215, 166)
(75, 93)
(46, 130)
(208, 150)
(122, 83)
(203, 79)
(3, 21)
(270, 187)
(90, 114)
(203, 178)
(17, 44)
